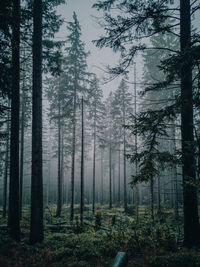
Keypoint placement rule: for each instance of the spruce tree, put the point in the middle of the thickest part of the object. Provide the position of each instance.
(95, 116)
(76, 66)
(144, 19)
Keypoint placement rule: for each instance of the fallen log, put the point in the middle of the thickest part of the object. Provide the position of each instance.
(59, 223)
(121, 260)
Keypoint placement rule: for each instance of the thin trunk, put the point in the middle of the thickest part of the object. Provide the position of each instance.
(62, 166)
(119, 175)
(73, 159)
(36, 227)
(174, 175)
(59, 192)
(14, 208)
(137, 202)
(22, 154)
(125, 186)
(49, 181)
(5, 180)
(151, 199)
(94, 166)
(159, 206)
(102, 175)
(124, 143)
(191, 220)
(110, 172)
(113, 182)
(82, 167)
(176, 213)
(136, 162)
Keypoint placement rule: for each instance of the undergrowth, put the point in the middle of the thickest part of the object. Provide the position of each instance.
(96, 242)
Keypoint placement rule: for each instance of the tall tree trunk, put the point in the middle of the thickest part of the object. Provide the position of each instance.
(113, 182)
(158, 203)
(151, 199)
(110, 172)
(174, 175)
(124, 143)
(191, 220)
(119, 175)
(125, 186)
(136, 162)
(59, 192)
(62, 165)
(102, 176)
(5, 180)
(73, 158)
(82, 166)
(22, 152)
(94, 166)
(14, 209)
(36, 228)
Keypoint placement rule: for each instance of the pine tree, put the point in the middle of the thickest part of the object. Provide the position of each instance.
(60, 100)
(95, 116)
(75, 65)
(144, 19)
(122, 108)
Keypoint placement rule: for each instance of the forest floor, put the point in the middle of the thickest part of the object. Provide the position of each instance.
(97, 241)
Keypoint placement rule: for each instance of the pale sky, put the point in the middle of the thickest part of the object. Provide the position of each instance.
(90, 31)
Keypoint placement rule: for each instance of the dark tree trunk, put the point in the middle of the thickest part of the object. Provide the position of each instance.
(151, 199)
(119, 175)
(62, 166)
(158, 203)
(113, 182)
(124, 143)
(174, 175)
(136, 162)
(14, 209)
(73, 159)
(102, 176)
(59, 194)
(82, 166)
(94, 166)
(191, 221)
(110, 172)
(22, 153)
(5, 180)
(36, 227)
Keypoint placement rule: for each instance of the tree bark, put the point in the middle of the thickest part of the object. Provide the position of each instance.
(191, 220)
(5, 180)
(73, 159)
(102, 176)
(82, 166)
(159, 205)
(14, 208)
(59, 194)
(22, 152)
(151, 199)
(113, 182)
(119, 175)
(36, 227)
(94, 166)
(136, 162)
(110, 172)
(124, 143)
